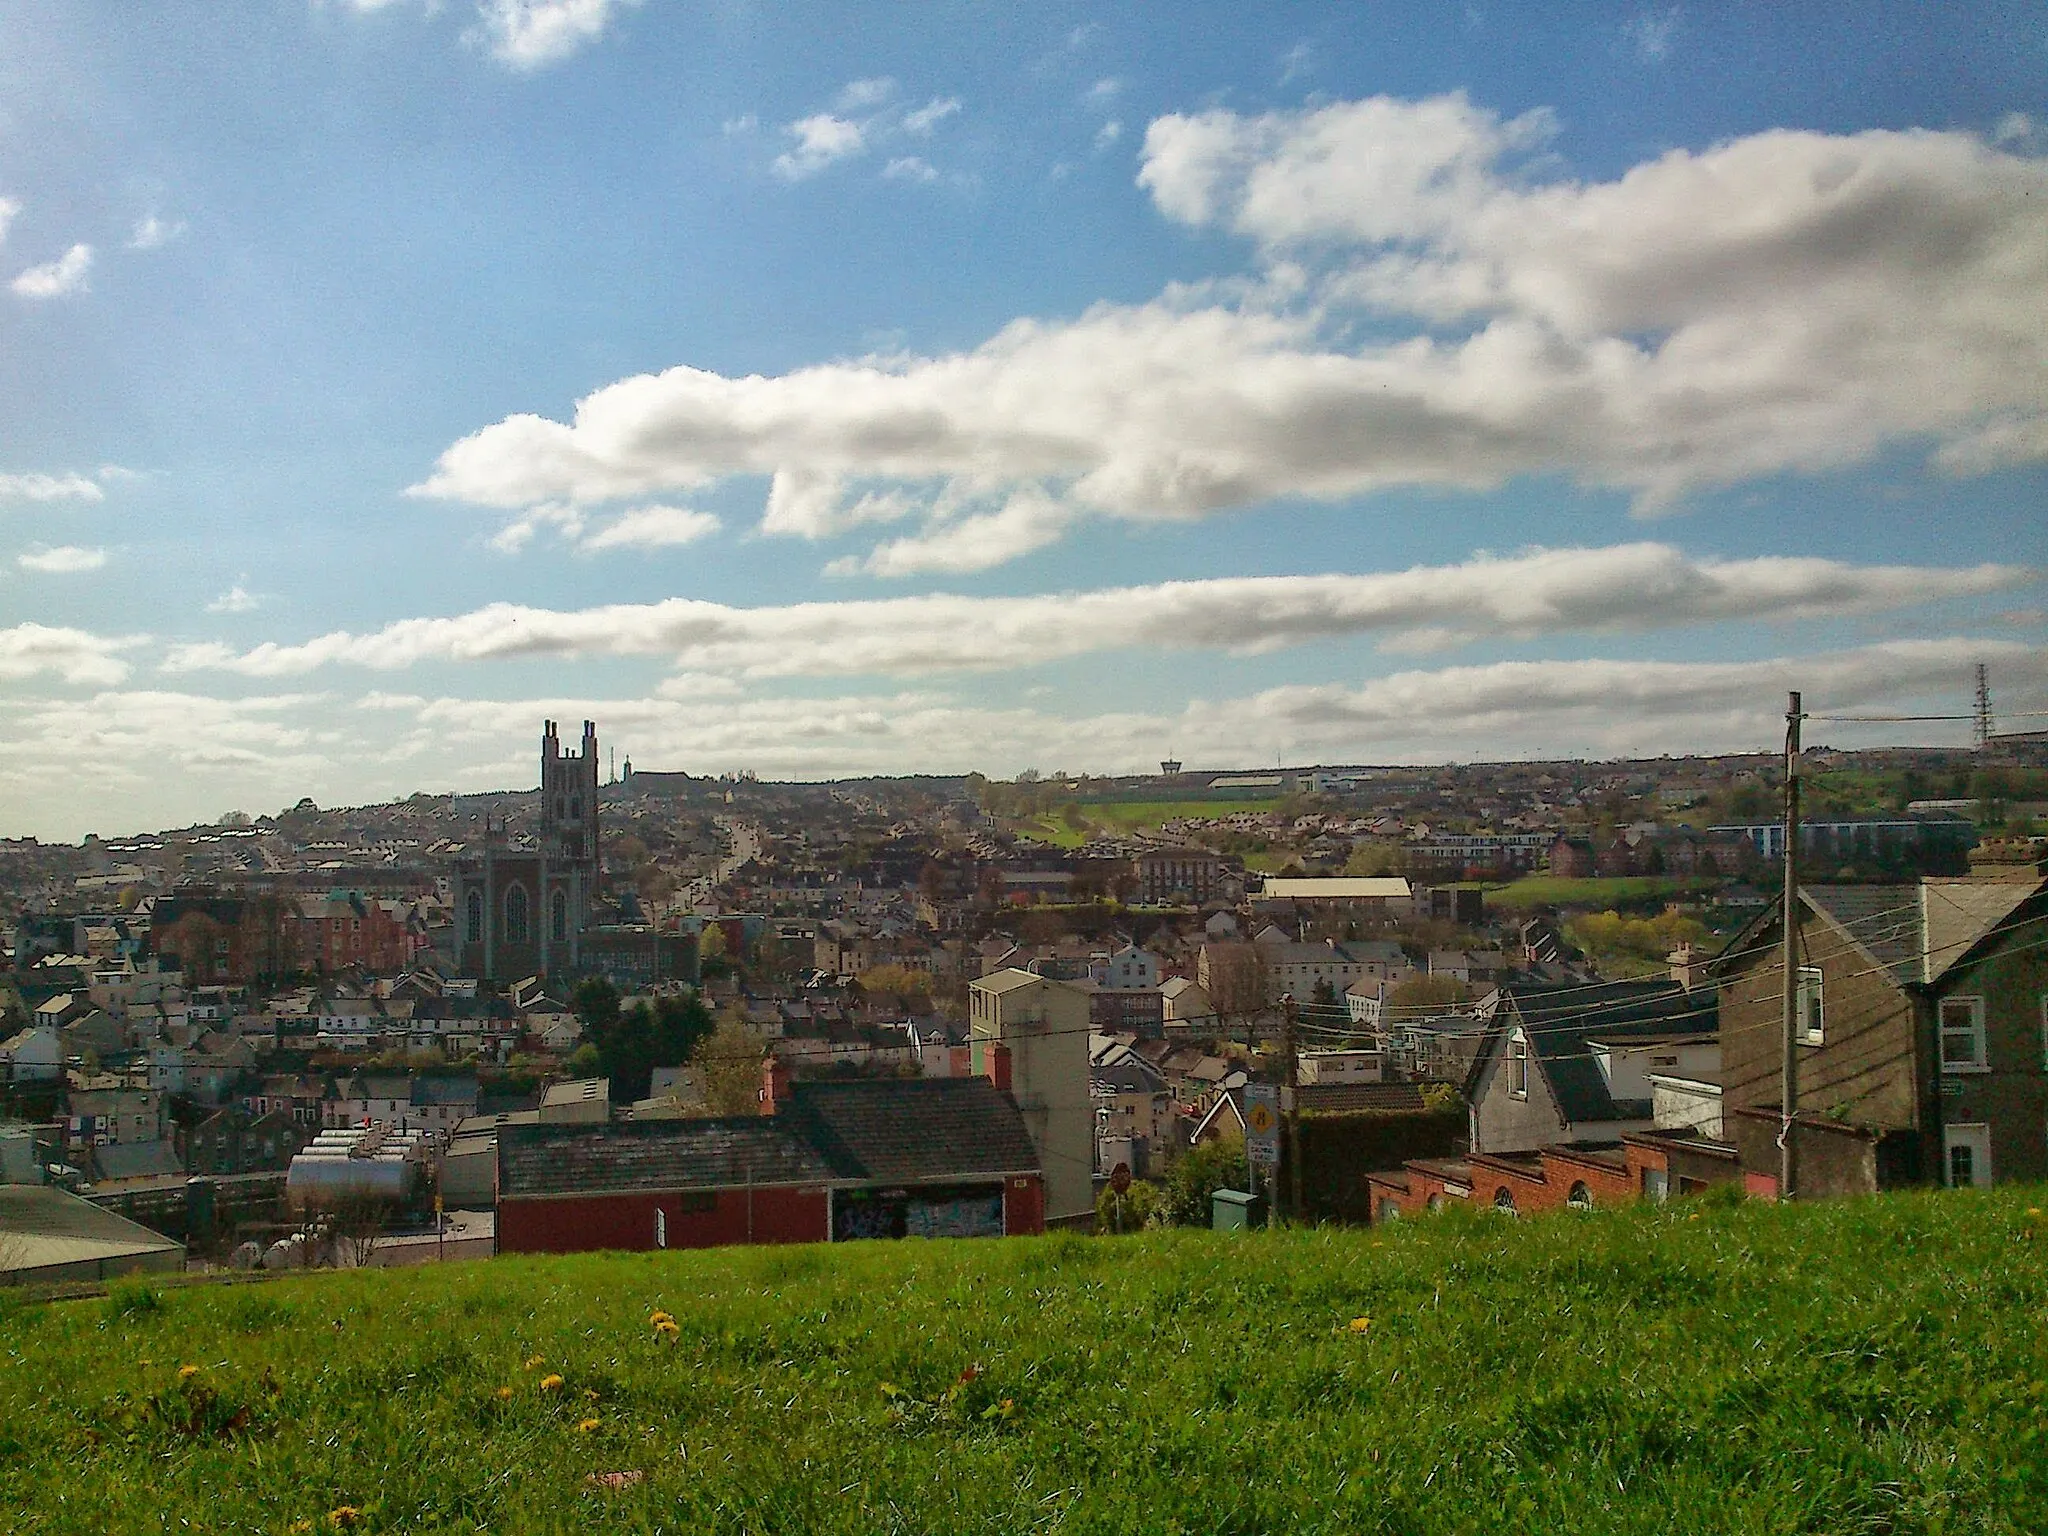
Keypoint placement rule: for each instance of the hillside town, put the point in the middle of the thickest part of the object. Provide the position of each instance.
(632, 1009)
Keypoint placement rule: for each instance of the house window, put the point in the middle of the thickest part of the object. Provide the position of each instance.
(1967, 1155)
(1504, 1201)
(476, 917)
(1581, 1198)
(1962, 1035)
(515, 915)
(558, 919)
(1811, 1016)
(1518, 1065)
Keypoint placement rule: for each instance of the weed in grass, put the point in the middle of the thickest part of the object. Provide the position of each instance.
(133, 1299)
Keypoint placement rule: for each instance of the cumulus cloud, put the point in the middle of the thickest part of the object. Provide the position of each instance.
(55, 279)
(909, 168)
(61, 560)
(527, 35)
(151, 232)
(1785, 302)
(9, 207)
(653, 527)
(69, 487)
(1631, 588)
(1108, 134)
(235, 600)
(930, 115)
(821, 140)
(74, 655)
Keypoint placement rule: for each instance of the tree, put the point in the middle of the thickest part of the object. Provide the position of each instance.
(711, 947)
(1202, 1170)
(354, 1226)
(1137, 1208)
(596, 1005)
(1237, 979)
(729, 1061)
(584, 1061)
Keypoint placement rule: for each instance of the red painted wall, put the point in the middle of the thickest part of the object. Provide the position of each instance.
(626, 1220)
(1023, 1206)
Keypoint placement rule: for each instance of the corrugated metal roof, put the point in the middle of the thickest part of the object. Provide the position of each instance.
(906, 1130)
(655, 1154)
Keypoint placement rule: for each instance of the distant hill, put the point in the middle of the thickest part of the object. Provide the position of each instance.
(1871, 1366)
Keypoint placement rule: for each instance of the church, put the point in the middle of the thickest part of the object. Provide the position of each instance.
(522, 911)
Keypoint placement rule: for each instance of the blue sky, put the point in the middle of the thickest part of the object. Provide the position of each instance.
(830, 390)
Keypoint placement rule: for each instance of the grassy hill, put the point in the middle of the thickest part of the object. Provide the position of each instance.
(1867, 1366)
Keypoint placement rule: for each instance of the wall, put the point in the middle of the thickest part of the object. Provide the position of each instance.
(2012, 1098)
(1023, 1207)
(1338, 1151)
(1045, 1026)
(580, 1224)
(1503, 1123)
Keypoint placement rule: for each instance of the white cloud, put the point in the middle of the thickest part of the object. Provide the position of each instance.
(1629, 588)
(654, 527)
(71, 654)
(9, 208)
(55, 279)
(1787, 302)
(1108, 134)
(745, 123)
(62, 560)
(152, 232)
(1650, 34)
(930, 115)
(527, 35)
(821, 140)
(909, 168)
(235, 600)
(1105, 90)
(859, 95)
(1296, 62)
(70, 487)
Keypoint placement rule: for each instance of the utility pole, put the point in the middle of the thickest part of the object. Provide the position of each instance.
(1788, 925)
(1985, 728)
(1290, 1121)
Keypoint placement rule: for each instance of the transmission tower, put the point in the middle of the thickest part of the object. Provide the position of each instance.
(1984, 730)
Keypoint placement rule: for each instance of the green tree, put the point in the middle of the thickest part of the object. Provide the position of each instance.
(596, 1005)
(1137, 1208)
(1200, 1172)
(730, 1063)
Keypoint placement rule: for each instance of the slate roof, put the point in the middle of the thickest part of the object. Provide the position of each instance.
(1133, 1076)
(906, 1130)
(1345, 1098)
(1560, 1021)
(655, 1154)
(1884, 920)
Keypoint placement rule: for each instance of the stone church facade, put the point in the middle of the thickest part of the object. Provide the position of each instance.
(522, 911)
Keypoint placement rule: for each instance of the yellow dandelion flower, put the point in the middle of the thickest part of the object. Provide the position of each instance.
(299, 1525)
(667, 1330)
(588, 1426)
(187, 1372)
(342, 1516)
(504, 1394)
(2033, 1214)
(1359, 1324)
(532, 1363)
(659, 1318)
(549, 1382)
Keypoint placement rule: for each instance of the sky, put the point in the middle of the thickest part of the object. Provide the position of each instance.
(828, 390)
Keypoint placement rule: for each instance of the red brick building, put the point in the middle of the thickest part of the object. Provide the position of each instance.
(827, 1162)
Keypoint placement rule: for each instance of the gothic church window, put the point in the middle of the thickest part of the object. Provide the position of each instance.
(476, 917)
(515, 915)
(558, 922)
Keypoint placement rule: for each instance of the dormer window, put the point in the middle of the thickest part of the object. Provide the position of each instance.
(1518, 1065)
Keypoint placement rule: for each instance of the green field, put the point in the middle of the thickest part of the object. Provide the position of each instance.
(1598, 894)
(1875, 1366)
(1110, 817)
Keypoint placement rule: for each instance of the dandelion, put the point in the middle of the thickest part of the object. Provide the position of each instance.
(1359, 1324)
(2033, 1214)
(298, 1526)
(659, 1318)
(550, 1382)
(187, 1372)
(504, 1394)
(342, 1516)
(587, 1427)
(667, 1329)
(532, 1363)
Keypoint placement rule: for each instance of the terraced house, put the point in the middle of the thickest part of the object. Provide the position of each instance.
(1922, 1034)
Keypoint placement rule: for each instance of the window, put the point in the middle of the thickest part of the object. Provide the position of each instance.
(1581, 1198)
(515, 915)
(476, 917)
(1967, 1155)
(558, 918)
(1504, 1201)
(1656, 1185)
(1518, 1065)
(1810, 1015)
(1962, 1035)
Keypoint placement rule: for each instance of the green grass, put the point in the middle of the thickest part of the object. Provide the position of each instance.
(1873, 1366)
(1598, 893)
(1110, 817)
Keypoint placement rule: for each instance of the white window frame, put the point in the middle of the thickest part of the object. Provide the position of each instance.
(1972, 1030)
(1978, 1141)
(1812, 1006)
(1518, 1065)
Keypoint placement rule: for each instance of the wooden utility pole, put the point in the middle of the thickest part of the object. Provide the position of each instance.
(1290, 1121)
(1788, 927)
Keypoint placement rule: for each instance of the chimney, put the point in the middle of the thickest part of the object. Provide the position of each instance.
(998, 1058)
(1685, 965)
(775, 1083)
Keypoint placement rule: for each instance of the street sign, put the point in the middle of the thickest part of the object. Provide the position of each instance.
(1262, 1125)
(1120, 1178)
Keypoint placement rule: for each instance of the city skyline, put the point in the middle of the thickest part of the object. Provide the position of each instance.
(827, 395)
